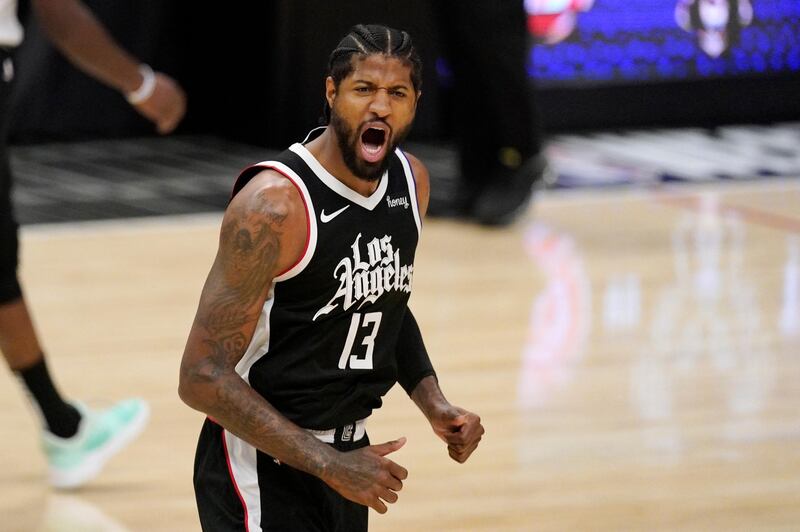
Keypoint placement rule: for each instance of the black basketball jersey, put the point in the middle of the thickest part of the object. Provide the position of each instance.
(323, 352)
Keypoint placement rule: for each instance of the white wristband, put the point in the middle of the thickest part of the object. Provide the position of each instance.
(147, 87)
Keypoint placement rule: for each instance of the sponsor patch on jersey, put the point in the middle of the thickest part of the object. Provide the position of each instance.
(401, 201)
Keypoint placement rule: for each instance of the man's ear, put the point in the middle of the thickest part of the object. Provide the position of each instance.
(330, 90)
(419, 95)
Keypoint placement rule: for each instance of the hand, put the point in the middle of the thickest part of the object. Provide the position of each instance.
(366, 477)
(461, 431)
(166, 106)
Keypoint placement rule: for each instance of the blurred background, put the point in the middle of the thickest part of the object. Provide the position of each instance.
(599, 73)
(253, 72)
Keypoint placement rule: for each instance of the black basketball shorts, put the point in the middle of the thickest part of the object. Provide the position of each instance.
(238, 488)
(9, 243)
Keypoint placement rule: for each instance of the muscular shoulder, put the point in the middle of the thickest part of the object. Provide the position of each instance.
(267, 193)
(268, 211)
(422, 179)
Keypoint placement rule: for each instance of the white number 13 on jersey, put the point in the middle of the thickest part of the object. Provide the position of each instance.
(371, 319)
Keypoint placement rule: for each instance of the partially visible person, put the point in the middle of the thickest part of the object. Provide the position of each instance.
(77, 441)
(717, 23)
(303, 323)
(552, 21)
(498, 133)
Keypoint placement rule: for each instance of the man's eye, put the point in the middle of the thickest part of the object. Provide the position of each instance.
(362, 90)
(399, 94)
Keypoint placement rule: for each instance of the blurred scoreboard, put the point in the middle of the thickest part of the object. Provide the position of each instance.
(581, 43)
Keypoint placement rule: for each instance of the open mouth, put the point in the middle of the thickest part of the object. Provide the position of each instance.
(373, 143)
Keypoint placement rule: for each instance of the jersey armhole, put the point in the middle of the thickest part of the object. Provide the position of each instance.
(412, 188)
(311, 217)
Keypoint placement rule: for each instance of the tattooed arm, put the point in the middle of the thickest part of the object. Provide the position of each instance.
(262, 230)
(263, 233)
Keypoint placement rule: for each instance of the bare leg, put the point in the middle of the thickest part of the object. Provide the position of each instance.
(23, 353)
(72, 461)
(18, 340)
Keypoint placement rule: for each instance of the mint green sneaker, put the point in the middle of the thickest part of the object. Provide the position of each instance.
(101, 434)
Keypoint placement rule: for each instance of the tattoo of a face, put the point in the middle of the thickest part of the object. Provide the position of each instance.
(221, 351)
(223, 348)
(249, 251)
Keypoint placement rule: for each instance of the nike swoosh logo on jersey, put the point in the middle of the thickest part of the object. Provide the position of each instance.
(325, 218)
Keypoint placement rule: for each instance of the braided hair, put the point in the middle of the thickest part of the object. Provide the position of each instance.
(368, 39)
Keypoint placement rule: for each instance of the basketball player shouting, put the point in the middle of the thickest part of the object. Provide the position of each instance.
(303, 322)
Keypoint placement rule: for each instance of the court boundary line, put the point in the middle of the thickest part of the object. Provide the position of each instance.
(147, 224)
(660, 194)
(750, 215)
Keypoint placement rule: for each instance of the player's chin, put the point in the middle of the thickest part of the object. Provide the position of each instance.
(371, 171)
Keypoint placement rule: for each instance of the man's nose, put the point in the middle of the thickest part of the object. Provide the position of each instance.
(380, 104)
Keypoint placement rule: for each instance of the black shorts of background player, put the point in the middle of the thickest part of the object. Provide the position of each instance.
(496, 123)
(77, 440)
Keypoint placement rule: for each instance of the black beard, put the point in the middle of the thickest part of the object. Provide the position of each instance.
(348, 140)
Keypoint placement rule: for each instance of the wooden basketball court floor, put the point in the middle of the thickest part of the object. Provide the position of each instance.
(635, 357)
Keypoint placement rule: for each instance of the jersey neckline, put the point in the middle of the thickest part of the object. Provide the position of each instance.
(367, 202)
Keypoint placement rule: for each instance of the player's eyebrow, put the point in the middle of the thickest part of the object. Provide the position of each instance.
(401, 85)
